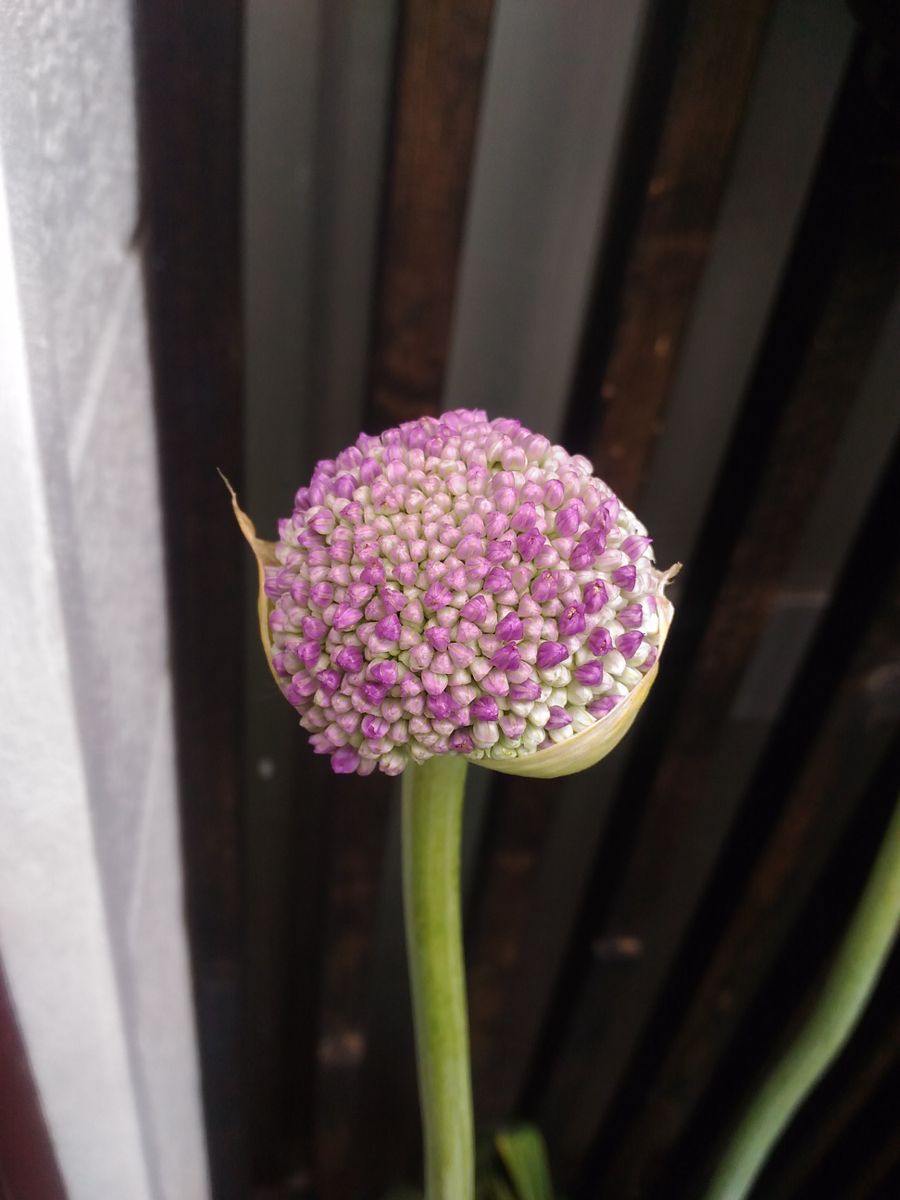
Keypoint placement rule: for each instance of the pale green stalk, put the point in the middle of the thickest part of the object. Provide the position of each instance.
(432, 830)
(848, 986)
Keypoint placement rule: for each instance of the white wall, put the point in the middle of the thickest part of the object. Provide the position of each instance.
(91, 925)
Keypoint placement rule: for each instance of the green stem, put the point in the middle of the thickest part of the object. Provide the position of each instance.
(432, 830)
(848, 986)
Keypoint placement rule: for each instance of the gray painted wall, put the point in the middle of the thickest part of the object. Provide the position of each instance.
(91, 924)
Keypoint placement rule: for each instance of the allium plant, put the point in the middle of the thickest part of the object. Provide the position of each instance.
(457, 590)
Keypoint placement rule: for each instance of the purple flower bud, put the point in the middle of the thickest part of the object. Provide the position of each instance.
(509, 629)
(506, 658)
(374, 727)
(559, 718)
(374, 693)
(475, 610)
(460, 655)
(393, 600)
(346, 617)
(590, 674)
(388, 629)
(528, 544)
(551, 654)
(438, 637)
(469, 547)
(495, 523)
(544, 587)
(329, 679)
(625, 577)
(607, 514)
(322, 594)
(499, 551)
(524, 518)
(568, 519)
(385, 671)
(599, 708)
(309, 653)
(434, 683)
(631, 616)
(410, 685)
(437, 596)
(461, 741)
(484, 709)
(321, 521)
(600, 641)
(635, 546)
(523, 693)
(595, 595)
(413, 613)
(497, 580)
(441, 705)
(512, 726)
(571, 620)
(554, 493)
(359, 594)
(344, 761)
(455, 579)
(627, 643)
(582, 558)
(314, 629)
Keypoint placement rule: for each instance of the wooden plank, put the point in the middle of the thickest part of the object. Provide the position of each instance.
(358, 822)
(851, 1087)
(188, 78)
(539, 201)
(760, 213)
(719, 52)
(536, 219)
(843, 1140)
(858, 306)
(357, 52)
(442, 49)
(499, 936)
(441, 56)
(849, 748)
(585, 805)
(717, 737)
(716, 65)
(317, 101)
(279, 138)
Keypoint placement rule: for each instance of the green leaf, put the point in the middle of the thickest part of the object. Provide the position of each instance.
(524, 1155)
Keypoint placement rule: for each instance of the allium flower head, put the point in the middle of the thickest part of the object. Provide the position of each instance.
(461, 586)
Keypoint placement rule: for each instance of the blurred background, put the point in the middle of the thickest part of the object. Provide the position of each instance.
(666, 233)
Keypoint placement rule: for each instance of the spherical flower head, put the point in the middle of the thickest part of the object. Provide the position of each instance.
(460, 585)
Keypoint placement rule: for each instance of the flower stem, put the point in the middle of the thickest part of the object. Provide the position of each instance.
(432, 831)
(848, 986)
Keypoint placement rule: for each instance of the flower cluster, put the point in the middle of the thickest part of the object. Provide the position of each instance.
(458, 585)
